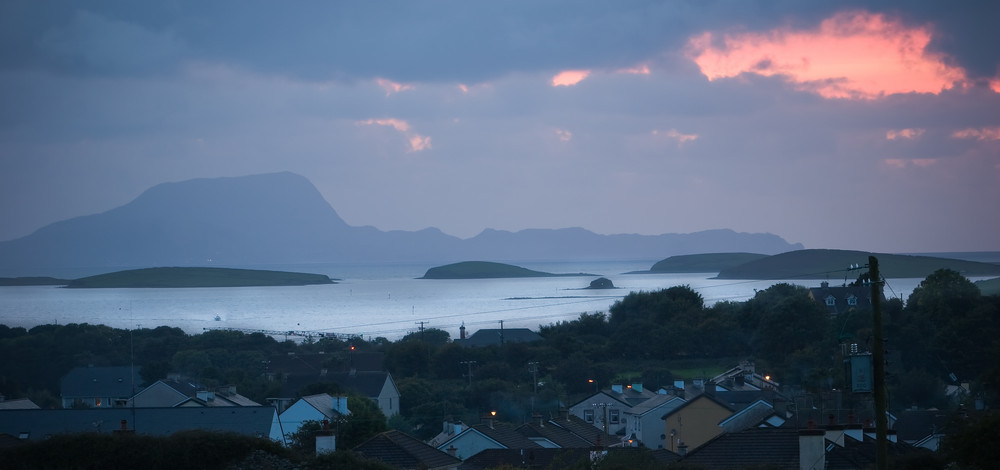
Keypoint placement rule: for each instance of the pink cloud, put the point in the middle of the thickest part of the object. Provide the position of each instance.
(569, 77)
(894, 134)
(564, 135)
(641, 69)
(391, 87)
(901, 163)
(985, 133)
(850, 55)
(416, 141)
(995, 85)
(674, 134)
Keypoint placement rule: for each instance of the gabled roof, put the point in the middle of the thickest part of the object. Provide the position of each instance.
(503, 434)
(579, 427)
(554, 433)
(39, 424)
(18, 404)
(404, 451)
(365, 383)
(840, 295)
(498, 336)
(751, 416)
(660, 403)
(524, 458)
(324, 404)
(855, 454)
(706, 396)
(113, 382)
(776, 447)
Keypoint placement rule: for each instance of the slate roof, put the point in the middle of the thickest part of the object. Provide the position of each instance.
(558, 435)
(18, 404)
(39, 424)
(404, 451)
(323, 403)
(662, 403)
(114, 382)
(494, 337)
(524, 458)
(777, 447)
(855, 454)
(748, 417)
(840, 295)
(579, 427)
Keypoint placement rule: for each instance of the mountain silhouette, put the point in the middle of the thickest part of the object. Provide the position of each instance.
(281, 218)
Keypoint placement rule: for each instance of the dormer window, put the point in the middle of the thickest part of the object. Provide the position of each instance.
(831, 301)
(852, 300)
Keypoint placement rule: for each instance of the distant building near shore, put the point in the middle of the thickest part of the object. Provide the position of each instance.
(496, 337)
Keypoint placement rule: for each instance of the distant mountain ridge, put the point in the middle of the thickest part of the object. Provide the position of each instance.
(281, 218)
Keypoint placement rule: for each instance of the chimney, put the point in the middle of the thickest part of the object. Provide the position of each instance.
(205, 395)
(452, 451)
(682, 449)
(461, 331)
(617, 388)
(812, 449)
(710, 388)
(539, 421)
(339, 404)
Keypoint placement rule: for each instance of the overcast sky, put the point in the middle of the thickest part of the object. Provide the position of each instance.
(836, 124)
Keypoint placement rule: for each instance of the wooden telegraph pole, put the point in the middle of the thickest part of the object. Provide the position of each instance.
(878, 366)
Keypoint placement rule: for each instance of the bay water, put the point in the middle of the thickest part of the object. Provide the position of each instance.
(375, 300)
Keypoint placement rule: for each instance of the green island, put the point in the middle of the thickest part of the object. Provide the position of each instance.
(818, 264)
(486, 270)
(197, 277)
(703, 263)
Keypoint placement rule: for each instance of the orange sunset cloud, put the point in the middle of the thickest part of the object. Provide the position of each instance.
(416, 141)
(850, 55)
(903, 134)
(391, 87)
(569, 77)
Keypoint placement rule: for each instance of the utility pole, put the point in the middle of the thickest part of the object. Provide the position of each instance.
(533, 367)
(469, 363)
(878, 366)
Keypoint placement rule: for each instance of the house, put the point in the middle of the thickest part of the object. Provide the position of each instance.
(488, 435)
(644, 423)
(99, 387)
(497, 337)
(694, 422)
(839, 300)
(552, 434)
(758, 414)
(605, 409)
(17, 404)
(319, 408)
(834, 448)
(378, 386)
(744, 378)
(405, 452)
(167, 393)
(259, 421)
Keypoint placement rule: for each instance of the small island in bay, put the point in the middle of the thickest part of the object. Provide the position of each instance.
(486, 270)
(198, 277)
(601, 283)
(703, 263)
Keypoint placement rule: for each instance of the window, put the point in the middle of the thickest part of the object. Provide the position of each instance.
(852, 300)
(613, 416)
(831, 301)
(588, 416)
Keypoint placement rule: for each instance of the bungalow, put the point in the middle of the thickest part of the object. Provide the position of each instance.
(35, 424)
(167, 393)
(405, 452)
(99, 387)
(489, 435)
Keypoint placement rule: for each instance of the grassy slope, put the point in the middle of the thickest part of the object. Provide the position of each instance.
(703, 263)
(816, 264)
(485, 270)
(989, 286)
(198, 277)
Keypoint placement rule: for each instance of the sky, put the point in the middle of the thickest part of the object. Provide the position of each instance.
(836, 124)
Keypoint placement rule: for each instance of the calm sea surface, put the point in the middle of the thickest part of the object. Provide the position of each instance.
(373, 301)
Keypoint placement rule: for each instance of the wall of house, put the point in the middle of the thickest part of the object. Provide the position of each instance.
(694, 424)
(301, 411)
(579, 409)
(156, 395)
(388, 399)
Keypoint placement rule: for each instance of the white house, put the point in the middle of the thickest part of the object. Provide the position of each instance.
(311, 408)
(644, 423)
